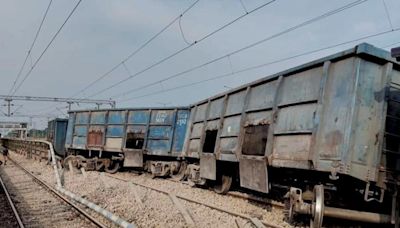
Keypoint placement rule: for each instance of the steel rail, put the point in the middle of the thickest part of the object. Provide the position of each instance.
(11, 203)
(256, 199)
(55, 192)
(101, 211)
(247, 196)
(196, 202)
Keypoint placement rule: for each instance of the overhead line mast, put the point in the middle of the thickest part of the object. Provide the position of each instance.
(69, 101)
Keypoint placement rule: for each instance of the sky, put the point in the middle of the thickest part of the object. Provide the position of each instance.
(101, 33)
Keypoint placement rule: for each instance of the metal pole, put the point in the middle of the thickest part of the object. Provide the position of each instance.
(107, 214)
(8, 107)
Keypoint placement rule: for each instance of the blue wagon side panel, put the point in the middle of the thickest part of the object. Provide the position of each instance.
(60, 137)
(115, 130)
(138, 117)
(82, 118)
(159, 131)
(70, 130)
(80, 130)
(79, 139)
(98, 118)
(116, 117)
(180, 130)
(57, 130)
(159, 137)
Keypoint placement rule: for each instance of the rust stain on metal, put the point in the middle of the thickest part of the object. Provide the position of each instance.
(334, 138)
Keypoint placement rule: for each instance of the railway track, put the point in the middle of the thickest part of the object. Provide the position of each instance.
(236, 194)
(248, 197)
(9, 216)
(255, 222)
(39, 205)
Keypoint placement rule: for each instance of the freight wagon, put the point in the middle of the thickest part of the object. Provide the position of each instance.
(327, 132)
(150, 138)
(56, 133)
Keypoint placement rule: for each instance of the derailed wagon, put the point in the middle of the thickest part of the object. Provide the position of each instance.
(327, 131)
(150, 138)
(56, 133)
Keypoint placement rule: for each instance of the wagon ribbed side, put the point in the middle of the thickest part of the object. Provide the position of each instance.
(333, 121)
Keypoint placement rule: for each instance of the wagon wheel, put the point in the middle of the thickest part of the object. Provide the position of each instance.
(113, 168)
(181, 174)
(223, 185)
(70, 159)
(317, 209)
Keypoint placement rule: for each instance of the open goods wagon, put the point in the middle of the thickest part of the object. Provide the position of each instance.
(56, 133)
(327, 132)
(108, 139)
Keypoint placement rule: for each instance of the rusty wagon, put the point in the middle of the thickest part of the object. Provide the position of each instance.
(327, 132)
(114, 138)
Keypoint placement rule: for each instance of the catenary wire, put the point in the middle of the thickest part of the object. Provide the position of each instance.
(136, 50)
(30, 49)
(182, 33)
(387, 14)
(307, 22)
(181, 50)
(390, 45)
(233, 73)
(47, 47)
(243, 6)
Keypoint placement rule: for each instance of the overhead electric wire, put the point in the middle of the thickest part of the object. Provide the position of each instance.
(47, 47)
(182, 33)
(390, 45)
(387, 14)
(307, 22)
(243, 6)
(181, 50)
(30, 48)
(136, 50)
(234, 73)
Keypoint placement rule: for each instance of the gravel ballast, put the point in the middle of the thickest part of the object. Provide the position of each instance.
(155, 209)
